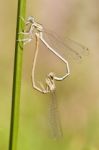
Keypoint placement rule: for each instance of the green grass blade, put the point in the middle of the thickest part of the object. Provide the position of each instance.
(17, 78)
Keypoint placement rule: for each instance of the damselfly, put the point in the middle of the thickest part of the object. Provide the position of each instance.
(72, 48)
(36, 29)
(54, 118)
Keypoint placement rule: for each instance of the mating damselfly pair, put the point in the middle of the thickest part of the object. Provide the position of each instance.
(71, 47)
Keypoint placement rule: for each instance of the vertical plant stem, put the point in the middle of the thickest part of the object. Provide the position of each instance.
(17, 78)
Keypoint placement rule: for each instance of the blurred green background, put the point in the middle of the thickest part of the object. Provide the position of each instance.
(77, 96)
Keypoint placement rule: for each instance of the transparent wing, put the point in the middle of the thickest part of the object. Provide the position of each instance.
(68, 48)
(54, 117)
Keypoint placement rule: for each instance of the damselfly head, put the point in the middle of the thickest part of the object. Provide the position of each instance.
(30, 19)
(39, 27)
(51, 75)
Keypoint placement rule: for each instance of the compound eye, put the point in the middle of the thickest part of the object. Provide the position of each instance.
(51, 77)
(30, 19)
